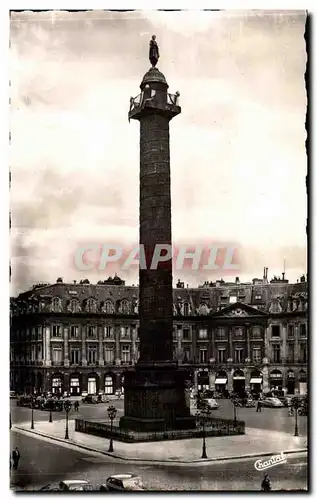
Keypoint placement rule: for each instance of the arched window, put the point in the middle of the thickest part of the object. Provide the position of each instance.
(91, 306)
(275, 307)
(74, 306)
(186, 309)
(108, 307)
(203, 309)
(56, 304)
(108, 384)
(125, 307)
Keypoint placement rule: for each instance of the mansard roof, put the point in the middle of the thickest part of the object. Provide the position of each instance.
(258, 296)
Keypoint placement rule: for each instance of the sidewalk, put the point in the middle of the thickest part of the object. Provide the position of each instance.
(256, 442)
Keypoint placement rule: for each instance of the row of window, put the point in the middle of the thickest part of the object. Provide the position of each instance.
(92, 354)
(126, 307)
(276, 330)
(126, 332)
(238, 332)
(276, 353)
(57, 331)
(75, 354)
(239, 355)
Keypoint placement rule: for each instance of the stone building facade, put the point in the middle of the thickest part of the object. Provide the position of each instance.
(82, 338)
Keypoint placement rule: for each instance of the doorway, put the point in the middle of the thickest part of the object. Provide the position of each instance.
(92, 385)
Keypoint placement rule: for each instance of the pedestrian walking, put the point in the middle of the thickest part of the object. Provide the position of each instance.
(16, 457)
(259, 406)
(266, 483)
(76, 405)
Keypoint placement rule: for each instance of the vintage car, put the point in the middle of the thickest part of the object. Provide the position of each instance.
(68, 485)
(90, 399)
(25, 401)
(286, 400)
(271, 403)
(123, 482)
(211, 403)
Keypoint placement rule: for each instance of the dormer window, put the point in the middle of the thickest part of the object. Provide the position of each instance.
(91, 306)
(74, 306)
(186, 309)
(258, 297)
(125, 307)
(108, 307)
(232, 299)
(275, 307)
(56, 304)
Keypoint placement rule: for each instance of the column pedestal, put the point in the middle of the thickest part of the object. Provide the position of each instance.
(154, 400)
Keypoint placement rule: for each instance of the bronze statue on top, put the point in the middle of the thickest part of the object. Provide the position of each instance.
(154, 52)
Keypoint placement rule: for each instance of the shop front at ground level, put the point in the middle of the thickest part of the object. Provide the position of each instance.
(109, 381)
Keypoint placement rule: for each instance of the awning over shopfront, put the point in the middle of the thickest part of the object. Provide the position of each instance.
(256, 381)
(221, 381)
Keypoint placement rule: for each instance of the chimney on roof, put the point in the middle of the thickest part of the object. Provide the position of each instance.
(283, 276)
(237, 280)
(74, 281)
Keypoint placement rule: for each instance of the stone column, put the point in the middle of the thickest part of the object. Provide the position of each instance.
(247, 375)
(195, 380)
(134, 345)
(230, 347)
(230, 381)
(117, 333)
(284, 380)
(48, 346)
(179, 344)
(44, 345)
(284, 342)
(296, 343)
(212, 380)
(66, 355)
(155, 285)
(83, 346)
(248, 342)
(267, 337)
(101, 361)
(212, 344)
(265, 384)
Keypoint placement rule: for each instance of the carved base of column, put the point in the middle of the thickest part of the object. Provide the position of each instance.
(155, 400)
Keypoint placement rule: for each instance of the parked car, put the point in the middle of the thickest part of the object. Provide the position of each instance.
(123, 482)
(211, 403)
(68, 485)
(90, 398)
(75, 485)
(286, 400)
(271, 403)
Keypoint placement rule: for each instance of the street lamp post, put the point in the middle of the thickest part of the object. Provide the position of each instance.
(204, 416)
(67, 408)
(51, 411)
(10, 421)
(234, 413)
(296, 421)
(32, 417)
(112, 411)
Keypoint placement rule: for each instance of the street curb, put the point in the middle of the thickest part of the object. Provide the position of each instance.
(198, 461)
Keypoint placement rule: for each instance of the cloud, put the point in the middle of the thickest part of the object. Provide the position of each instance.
(238, 160)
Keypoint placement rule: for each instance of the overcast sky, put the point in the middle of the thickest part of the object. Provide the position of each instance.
(238, 161)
